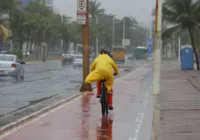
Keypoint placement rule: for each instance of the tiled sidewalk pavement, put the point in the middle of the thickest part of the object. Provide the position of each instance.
(180, 103)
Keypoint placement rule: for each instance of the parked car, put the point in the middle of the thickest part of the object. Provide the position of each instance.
(10, 65)
(66, 59)
(78, 61)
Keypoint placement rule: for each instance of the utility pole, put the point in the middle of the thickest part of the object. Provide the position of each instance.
(113, 33)
(179, 48)
(86, 50)
(123, 32)
(156, 69)
(150, 29)
(61, 41)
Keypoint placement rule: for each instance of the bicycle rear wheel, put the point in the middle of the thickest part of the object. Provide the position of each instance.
(104, 100)
(103, 108)
(106, 108)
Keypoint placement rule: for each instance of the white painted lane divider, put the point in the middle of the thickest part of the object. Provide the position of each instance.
(140, 118)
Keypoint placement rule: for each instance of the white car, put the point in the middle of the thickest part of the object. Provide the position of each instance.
(26, 53)
(10, 65)
(78, 61)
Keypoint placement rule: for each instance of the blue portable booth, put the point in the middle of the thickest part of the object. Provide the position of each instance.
(187, 58)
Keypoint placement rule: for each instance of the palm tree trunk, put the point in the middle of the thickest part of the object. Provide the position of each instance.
(163, 51)
(27, 47)
(44, 46)
(194, 47)
(37, 50)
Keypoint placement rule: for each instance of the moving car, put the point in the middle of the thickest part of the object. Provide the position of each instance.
(10, 65)
(78, 61)
(66, 59)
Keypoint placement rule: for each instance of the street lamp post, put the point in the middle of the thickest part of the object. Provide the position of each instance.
(113, 33)
(179, 48)
(86, 40)
(156, 69)
(157, 48)
(123, 32)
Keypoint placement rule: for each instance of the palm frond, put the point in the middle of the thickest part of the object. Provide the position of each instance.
(171, 31)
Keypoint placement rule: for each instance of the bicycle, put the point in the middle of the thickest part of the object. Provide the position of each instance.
(104, 98)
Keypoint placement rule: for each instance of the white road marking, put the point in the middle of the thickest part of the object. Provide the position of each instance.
(139, 119)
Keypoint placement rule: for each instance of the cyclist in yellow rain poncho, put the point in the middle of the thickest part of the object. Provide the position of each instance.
(102, 69)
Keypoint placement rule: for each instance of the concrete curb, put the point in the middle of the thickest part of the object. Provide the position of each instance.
(34, 62)
(7, 128)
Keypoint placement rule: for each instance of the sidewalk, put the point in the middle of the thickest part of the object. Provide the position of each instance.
(81, 118)
(180, 103)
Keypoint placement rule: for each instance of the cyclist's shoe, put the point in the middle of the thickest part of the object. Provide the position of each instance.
(110, 107)
(98, 96)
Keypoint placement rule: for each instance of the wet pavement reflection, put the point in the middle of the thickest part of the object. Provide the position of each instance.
(104, 132)
(85, 105)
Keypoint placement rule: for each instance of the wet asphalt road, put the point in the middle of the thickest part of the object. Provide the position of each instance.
(42, 81)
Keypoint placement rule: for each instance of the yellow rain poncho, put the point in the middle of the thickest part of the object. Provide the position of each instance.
(102, 69)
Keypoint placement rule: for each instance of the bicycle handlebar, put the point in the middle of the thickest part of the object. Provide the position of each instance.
(114, 74)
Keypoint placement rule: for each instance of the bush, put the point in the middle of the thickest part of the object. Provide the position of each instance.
(18, 53)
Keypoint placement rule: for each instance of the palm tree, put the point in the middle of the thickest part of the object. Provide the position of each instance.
(17, 26)
(183, 15)
(94, 10)
(39, 23)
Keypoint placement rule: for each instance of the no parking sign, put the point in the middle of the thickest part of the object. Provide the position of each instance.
(81, 12)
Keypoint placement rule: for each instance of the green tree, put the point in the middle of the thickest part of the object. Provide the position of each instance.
(184, 15)
(95, 11)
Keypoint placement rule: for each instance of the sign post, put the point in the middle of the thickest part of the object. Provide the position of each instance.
(125, 42)
(81, 12)
(150, 48)
(82, 18)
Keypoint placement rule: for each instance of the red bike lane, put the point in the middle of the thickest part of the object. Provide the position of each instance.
(81, 118)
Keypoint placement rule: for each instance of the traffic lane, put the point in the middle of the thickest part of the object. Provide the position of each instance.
(39, 86)
(33, 71)
(40, 67)
(81, 118)
(46, 70)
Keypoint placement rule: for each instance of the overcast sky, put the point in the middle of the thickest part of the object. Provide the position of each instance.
(140, 9)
